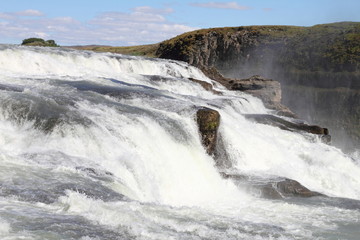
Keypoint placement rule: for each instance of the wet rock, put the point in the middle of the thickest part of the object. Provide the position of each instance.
(207, 86)
(208, 121)
(268, 90)
(288, 187)
(272, 187)
(213, 73)
(290, 126)
(96, 174)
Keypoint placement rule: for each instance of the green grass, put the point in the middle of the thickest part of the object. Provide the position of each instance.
(141, 50)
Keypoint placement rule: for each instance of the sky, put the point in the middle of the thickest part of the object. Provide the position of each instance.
(135, 22)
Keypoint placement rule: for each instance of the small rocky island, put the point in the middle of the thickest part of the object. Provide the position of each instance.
(39, 42)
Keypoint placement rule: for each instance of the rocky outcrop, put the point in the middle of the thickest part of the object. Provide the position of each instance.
(268, 50)
(208, 121)
(209, 47)
(320, 58)
(290, 126)
(39, 42)
(273, 188)
(268, 90)
(207, 86)
(288, 187)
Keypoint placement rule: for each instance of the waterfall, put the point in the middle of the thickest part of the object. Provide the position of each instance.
(109, 144)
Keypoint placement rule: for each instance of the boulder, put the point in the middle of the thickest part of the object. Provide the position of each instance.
(289, 187)
(207, 86)
(290, 126)
(268, 90)
(208, 121)
(272, 187)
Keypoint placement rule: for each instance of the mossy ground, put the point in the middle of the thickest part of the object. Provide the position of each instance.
(141, 50)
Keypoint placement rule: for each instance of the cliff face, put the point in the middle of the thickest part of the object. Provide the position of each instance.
(272, 51)
(210, 48)
(313, 64)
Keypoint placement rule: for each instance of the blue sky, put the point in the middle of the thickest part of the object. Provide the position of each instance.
(124, 22)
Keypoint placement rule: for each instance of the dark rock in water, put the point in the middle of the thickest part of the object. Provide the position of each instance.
(290, 126)
(268, 90)
(273, 188)
(208, 121)
(97, 174)
(213, 73)
(207, 86)
(289, 187)
(271, 91)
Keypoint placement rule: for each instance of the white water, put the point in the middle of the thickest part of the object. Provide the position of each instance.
(108, 144)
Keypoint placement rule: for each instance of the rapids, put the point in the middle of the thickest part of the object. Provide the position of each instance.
(105, 146)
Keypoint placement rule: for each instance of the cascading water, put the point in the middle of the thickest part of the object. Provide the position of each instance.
(104, 146)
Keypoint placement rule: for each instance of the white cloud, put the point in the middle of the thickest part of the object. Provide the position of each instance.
(224, 5)
(30, 12)
(6, 16)
(147, 9)
(143, 25)
(25, 13)
(114, 18)
(41, 34)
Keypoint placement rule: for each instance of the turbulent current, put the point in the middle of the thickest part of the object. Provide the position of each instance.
(102, 146)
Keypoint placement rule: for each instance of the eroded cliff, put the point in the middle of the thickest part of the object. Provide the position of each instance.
(315, 66)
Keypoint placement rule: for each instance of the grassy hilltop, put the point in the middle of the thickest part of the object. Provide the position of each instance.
(141, 50)
(325, 48)
(321, 48)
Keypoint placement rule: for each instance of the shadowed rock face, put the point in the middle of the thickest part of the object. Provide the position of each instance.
(268, 90)
(208, 121)
(207, 86)
(273, 188)
(267, 50)
(290, 126)
(290, 187)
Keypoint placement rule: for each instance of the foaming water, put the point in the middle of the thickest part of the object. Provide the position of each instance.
(265, 150)
(105, 146)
